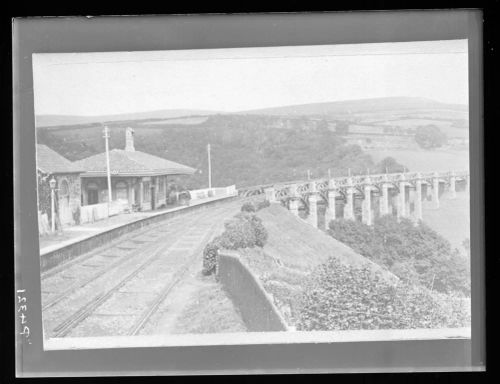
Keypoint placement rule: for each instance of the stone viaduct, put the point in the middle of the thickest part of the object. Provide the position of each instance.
(401, 194)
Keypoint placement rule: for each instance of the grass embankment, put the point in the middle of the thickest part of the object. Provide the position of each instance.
(210, 311)
(291, 253)
(291, 256)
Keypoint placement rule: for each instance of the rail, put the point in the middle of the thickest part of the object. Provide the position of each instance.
(65, 252)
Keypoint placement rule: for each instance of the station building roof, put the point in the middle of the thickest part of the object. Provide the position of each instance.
(51, 162)
(131, 163)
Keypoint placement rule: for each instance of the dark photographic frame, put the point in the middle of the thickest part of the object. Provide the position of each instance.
(219, 31)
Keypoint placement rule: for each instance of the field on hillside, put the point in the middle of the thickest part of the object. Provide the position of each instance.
(444, 125)
(422, 160)
(424, 114)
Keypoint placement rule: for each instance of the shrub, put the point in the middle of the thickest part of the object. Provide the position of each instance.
(357, 235)
(414, 253)
(389, 165)
(258, 228)
(248, 207)
(254, 206)
(210, 257)
(245, 230)
(263, 204)
(430, 136)
(238, 234)
(185, 195)
(343, 297)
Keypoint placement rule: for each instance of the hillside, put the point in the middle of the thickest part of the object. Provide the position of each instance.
(336, 109)
(248, 153)
(385, 104)
(292, 251)
(252, 149)
(293, 243)
(61, 120)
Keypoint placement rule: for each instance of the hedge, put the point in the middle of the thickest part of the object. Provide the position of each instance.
(245, 230)
(255, 206)
(414, 253)
(339, 297)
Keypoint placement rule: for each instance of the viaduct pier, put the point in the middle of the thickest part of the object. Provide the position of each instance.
(368, 196)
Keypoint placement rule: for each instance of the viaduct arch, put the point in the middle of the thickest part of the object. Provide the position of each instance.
(399, 192)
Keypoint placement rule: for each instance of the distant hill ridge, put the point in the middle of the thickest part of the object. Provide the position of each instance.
(345, 107)
(56, 120)
(358, 106)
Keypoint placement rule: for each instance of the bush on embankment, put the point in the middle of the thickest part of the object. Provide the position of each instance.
(245, 230)
(254, 206)
(415, 253)
(291, 253)
(341, 297)
(248, 207)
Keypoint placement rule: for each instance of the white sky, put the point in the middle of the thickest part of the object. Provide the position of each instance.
(247, 78)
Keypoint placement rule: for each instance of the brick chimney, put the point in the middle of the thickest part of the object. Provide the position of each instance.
(129, 140)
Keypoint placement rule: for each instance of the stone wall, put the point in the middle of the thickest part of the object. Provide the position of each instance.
(255, 305)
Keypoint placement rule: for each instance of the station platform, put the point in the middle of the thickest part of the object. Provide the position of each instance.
(77, 233)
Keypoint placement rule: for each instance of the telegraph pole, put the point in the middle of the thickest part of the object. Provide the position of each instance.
(106, 140)
(209, 168)
(308, 174)
(329, 174)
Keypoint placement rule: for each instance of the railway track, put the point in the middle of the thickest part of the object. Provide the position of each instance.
(150, 265)
(140, 232)
(134, 252)
(179, 274)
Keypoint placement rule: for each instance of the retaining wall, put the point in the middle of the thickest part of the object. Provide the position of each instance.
(55, 257)
(255, 305)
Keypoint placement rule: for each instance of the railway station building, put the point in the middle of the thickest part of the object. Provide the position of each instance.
(51, 166)
(138, 179)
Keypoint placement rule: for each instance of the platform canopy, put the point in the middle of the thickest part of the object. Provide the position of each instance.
(131, 163)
